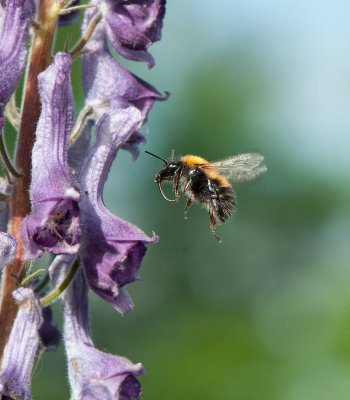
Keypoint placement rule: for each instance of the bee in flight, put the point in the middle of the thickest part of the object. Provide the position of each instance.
(208, 183)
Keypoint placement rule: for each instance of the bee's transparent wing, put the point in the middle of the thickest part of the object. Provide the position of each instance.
(241, 168)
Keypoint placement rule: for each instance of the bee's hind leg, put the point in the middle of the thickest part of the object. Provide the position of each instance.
(213, 227)
(188, 204)
(213, 208)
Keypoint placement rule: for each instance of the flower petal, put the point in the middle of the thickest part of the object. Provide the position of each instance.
(93, 374)
(13, 48)
(20, 350)
(53, 225)
(112, 249)
(107, 81)
(8, 248)
(133, 143)
(131, 26)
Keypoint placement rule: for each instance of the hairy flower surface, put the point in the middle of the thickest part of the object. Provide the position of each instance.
(14, 27)
(93, 374)
(53, 225)
(19, 354)
(8, 247)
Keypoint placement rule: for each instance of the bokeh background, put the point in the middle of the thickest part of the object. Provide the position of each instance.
(266, 313)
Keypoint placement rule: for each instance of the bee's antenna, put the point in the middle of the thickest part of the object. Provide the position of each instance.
(160, 158)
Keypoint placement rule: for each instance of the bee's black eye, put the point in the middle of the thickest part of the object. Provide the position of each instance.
(172, 166)
(168, 172)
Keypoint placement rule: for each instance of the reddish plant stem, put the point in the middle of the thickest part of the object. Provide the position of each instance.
(40, 58)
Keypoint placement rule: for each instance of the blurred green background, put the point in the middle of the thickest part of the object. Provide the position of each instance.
(266, 313)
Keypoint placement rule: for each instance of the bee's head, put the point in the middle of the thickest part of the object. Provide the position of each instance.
(167, 173)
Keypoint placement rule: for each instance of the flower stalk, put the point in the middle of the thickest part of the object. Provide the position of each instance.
(85, 38)
(60, 289)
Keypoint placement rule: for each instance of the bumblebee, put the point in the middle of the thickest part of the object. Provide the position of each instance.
(208, 183)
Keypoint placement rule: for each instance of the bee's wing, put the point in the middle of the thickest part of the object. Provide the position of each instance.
(241, 168)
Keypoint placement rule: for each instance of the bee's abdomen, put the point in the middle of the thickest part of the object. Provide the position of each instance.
(216, 195)
(226, 202)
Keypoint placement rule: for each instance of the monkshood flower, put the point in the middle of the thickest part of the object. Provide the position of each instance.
(113, 253)
(112, 249)
(57, 177)
(107, 82)
(20, 351)
(14, 25)
(93, 374)
(53, 225)
(131, 26)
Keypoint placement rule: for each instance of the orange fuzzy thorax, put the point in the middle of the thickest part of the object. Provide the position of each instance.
(191, 161)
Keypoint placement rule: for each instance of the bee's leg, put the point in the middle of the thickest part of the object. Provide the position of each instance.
(188, 204)
(187, 186)
(213, 195)
(214, 206)
(189, 201)
(213, 227)
(176, 184)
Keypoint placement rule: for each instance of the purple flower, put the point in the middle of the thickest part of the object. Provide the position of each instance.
(53, 225)
(8, 248)
(133, 143)
(131, 26)
(107, 82)
(112, 249)
(93, 374)
(13, 47)
(20, 350)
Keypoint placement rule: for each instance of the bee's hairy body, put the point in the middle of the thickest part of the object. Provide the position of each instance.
(200, 182)
(207, 187)
(207, 183)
